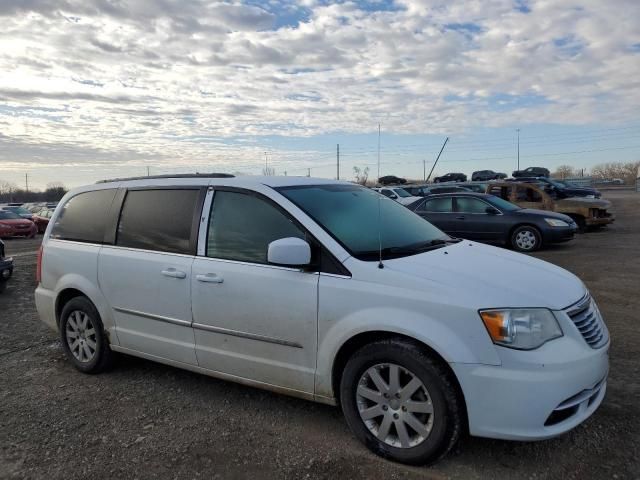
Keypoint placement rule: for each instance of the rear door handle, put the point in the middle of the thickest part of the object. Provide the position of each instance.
(173, 273)
(209, 278)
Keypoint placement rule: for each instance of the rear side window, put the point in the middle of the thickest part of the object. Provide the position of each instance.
(437, 205)
(158, 220)
(501, 191)
(241, 226)
(84, 216)
(526, 194)
(470, 205)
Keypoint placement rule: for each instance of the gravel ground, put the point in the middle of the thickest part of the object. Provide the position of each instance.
(145, 420)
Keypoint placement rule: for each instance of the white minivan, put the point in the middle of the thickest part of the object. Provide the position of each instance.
(327, 291)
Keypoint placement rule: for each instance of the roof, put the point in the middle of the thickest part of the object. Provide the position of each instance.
(227, 179)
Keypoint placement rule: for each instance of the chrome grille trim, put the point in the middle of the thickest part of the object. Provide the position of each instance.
(588, 321)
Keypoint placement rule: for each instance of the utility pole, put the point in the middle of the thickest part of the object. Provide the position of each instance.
(424, 169)
(285, 173)
(338, 161)
(148, 173)
(378, 179)
(26, 182)
(308, 172)
(266, 163)
(518, 130)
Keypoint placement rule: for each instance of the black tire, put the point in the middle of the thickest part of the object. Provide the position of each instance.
(448, 415)
(103, 357)
(526, 238)
(581, 222)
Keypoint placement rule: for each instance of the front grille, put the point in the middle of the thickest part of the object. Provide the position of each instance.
(587, 319)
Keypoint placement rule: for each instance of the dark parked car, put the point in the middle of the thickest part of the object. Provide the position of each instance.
(41, 219)
(484, 175)
(6, 268)
(13, 225)
(451, 177)
(486, 218)
(561, 189)
(424, 190)
(391, 180)
(531, 172)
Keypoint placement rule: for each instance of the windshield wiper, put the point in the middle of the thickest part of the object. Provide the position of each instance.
(412, 249)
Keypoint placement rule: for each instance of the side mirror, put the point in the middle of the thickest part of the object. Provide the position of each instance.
(290, 251)
(393, 196)
(492, 211)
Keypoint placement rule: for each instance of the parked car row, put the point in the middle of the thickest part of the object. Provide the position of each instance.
(18, 221)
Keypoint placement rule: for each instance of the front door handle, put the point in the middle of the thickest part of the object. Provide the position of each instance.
(173, 273)
(460, 217)
(210, 278)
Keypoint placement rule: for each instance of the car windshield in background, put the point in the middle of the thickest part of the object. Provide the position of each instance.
(7, 215)
(401, 192)
(18, 210)
(356, 217)
(502, 204)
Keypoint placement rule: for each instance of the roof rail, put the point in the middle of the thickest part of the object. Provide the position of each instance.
(179, 175)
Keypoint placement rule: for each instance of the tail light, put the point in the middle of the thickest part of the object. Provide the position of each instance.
(39, 266)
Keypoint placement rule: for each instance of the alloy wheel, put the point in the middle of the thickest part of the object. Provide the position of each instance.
(81, 336)
(526, 240)
(394, 405)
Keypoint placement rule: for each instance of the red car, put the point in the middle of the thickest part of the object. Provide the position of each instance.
(13, 225)
(41, 219)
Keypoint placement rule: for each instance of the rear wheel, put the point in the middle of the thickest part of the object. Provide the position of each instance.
(526, 238)
(401, 403)
(83, 337)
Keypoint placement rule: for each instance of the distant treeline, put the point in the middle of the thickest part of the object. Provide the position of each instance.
(11, 193)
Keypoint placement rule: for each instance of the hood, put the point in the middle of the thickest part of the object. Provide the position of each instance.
(480, 276)
(584, 202)
(14, 222)
(544, 214)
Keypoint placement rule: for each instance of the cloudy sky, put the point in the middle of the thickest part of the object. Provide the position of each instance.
(103, 88)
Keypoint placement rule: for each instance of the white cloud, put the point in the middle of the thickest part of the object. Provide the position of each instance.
(146, 79)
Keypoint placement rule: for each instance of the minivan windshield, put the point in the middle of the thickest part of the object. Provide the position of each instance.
(357, 217)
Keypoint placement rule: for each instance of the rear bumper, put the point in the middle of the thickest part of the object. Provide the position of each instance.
(527, 402)
(46, 306)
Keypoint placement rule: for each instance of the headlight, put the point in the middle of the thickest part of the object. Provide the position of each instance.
(522, 329)
(554, 222)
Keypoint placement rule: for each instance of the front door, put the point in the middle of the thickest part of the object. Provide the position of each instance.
(146, 276)
(474, 223)
(251, 319)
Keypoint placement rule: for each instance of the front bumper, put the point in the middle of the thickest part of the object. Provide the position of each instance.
(541, 397)
(598, 221)
(560, 234)
(6, 269)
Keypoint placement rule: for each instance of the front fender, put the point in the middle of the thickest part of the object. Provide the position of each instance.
(471, 346)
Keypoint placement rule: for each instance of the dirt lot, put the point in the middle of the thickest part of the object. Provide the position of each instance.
(145, 420)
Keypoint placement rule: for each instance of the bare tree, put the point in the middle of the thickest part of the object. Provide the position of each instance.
(564, 171)
(361, 175)
(268, 171)
(625, 171)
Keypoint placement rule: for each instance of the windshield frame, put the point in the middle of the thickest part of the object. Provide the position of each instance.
(365, 256)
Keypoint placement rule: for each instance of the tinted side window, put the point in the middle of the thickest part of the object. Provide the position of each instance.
(501, 191)
(158, 220)
(241, 226)
(437, 205)
(526, 194)
(470, 205)
(84, 216)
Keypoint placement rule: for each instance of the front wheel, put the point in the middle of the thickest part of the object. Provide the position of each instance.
(526, 239)
(401, 403)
